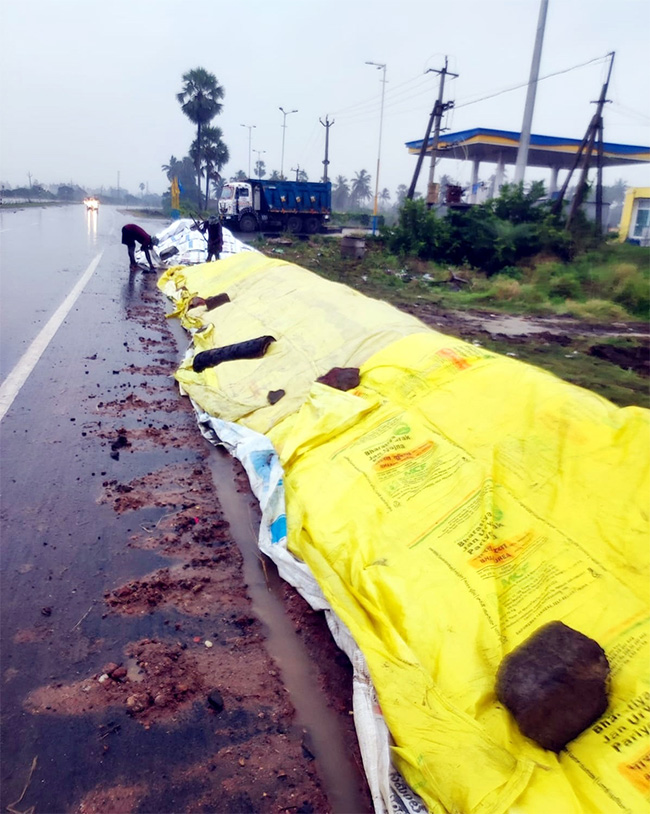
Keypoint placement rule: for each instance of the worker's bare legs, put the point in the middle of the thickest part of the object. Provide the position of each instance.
(131, 249)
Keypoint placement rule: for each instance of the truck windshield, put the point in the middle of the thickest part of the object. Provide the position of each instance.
(226, 193)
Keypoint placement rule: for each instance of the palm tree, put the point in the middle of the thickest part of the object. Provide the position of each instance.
(400, 195)
(384, 195)
(200, 102)
(341, 193)
(173, 168)
(184, 171)
(214, 155)
(260, 169)
(360, 188)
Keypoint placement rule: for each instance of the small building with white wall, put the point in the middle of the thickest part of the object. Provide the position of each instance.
(635, 218)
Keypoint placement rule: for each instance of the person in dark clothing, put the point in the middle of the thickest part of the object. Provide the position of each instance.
(132, 234)
(215, 236)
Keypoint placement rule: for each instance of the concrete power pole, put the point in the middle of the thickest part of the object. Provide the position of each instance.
(326, 124)
(436, 116)
(524, 138)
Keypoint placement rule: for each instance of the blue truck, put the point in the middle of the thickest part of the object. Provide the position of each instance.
(256, 204)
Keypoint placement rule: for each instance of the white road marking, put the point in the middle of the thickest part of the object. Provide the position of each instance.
(10, 387)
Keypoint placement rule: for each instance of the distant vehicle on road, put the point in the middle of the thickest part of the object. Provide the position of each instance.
(297, 206)
(91, 204)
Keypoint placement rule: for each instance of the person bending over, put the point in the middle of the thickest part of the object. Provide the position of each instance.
(132, 234)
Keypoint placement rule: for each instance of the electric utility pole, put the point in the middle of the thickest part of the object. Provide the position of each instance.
(436, 116)
(594, 131)
(326, 124)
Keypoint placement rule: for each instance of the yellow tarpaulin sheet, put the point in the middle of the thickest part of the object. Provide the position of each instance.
(449, 506)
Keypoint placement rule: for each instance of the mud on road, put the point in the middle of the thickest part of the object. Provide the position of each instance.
(194, 714)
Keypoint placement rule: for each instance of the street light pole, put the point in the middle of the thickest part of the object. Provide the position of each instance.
(250, 130)
(380, 67)
(285, 113)
(259, 161)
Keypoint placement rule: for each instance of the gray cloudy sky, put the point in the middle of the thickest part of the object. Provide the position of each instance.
(88, 88)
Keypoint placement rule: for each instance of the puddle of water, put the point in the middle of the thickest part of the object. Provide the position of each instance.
(510, 326)
(285, 647)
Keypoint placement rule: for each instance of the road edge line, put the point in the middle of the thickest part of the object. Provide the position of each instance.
(11, 386)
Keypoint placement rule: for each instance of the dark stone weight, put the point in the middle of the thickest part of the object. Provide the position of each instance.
(554, 684)
(215, 700)
(341, 378)
(274, 396)
(216, 301)
(250, 349)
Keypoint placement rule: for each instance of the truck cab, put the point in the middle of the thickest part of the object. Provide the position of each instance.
(235, 197)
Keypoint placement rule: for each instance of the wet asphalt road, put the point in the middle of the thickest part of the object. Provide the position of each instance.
(60, 548)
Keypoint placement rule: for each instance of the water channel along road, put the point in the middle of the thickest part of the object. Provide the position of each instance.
(151, 659)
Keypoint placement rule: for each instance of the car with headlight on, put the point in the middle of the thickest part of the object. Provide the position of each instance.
(92, 204)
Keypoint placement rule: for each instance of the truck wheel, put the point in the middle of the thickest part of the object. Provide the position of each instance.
(294, 224)
(312, 225)
(247, 223)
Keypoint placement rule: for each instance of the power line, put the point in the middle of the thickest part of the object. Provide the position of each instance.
(373, 100)
(630, 111)
(524, 84)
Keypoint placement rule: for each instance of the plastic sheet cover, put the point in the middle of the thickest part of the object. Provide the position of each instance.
(182, 242)
(446, 508)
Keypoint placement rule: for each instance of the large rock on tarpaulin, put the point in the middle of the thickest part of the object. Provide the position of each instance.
(554, 684)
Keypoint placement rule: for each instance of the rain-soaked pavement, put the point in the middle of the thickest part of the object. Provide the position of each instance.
(150, 660)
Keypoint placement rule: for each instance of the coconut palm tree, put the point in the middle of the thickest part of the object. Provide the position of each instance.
(184, 171)
(400, 195)
(173, 168)
(200, 102)
(360, 191)
(341, 193)
(384, 196)
(214, 155)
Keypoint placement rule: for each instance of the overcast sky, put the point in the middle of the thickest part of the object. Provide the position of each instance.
(88, 88)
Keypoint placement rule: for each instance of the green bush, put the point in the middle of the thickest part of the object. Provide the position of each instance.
(418, 232)
(514, 272)
(517, 206)
(564, 287)
(597, 311)
(633, 292)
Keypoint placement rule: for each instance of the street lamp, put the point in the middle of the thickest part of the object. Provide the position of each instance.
(250, 130)
(285, 113)
(380, 67)
(259, 161)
